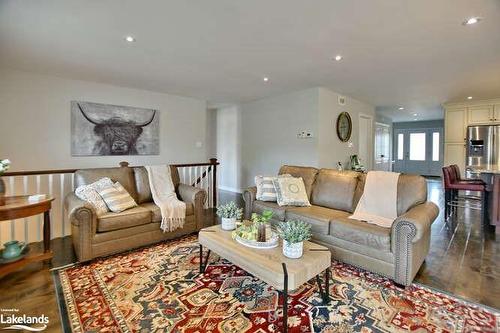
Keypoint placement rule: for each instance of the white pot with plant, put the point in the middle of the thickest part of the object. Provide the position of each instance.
(294, 233)
(229, 213)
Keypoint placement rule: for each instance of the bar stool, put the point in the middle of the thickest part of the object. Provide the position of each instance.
(458, 176)
(451, 187)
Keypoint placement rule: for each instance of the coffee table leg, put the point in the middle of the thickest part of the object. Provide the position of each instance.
(201, 258)
(325, 294)
(46, 231)
(203, 265)
(285, 298)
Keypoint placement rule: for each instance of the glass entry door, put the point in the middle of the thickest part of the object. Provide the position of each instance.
(418, 151)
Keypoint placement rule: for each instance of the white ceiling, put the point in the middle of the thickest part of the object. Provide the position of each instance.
(411, 53)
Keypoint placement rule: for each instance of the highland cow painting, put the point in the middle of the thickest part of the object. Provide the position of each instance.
(103, 129)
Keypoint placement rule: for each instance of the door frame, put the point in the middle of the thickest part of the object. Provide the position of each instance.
(368, 163)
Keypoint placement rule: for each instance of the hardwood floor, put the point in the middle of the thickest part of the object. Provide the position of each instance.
(463, 260)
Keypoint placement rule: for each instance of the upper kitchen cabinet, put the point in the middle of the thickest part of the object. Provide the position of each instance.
(455, 123)
(482, 114)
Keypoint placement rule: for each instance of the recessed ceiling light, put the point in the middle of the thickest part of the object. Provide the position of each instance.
(401, 108)
(470, 97)
(415, 114)
(266, 79)
(130, 39)
(338, 57)
(471, 20)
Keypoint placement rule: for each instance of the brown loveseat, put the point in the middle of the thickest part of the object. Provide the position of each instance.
(396, 252)
(116, 232)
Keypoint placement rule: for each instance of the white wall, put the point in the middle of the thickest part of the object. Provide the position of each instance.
(269, 133)
(270, 127)
(35, 122)
(228, 137)
(330, 149)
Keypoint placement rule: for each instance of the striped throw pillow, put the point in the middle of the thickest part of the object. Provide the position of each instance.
(265, 187)
(117, 198)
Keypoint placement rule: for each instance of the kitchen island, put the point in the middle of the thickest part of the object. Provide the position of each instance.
(491, 176)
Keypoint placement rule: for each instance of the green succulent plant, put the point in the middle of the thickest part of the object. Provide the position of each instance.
(262, 218)
(230, 211)
(294, 231)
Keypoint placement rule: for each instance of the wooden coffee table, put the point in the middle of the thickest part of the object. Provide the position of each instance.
(270, 265)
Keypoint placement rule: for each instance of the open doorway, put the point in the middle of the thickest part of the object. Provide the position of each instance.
(382, 157)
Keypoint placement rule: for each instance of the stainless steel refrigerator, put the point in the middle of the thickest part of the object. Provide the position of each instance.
(483, 146)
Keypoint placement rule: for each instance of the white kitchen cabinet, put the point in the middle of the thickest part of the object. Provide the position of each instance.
(454, 125)
(496, 112)
(481, 114)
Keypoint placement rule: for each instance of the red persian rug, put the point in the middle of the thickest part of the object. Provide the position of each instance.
(158, 289)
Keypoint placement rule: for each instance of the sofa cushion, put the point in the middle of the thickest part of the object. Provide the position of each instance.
(126, 219)
(260, 206)
(308, 175)
(123, 175)
(412, 190)
(335, 189)
(362, 233)
(156, 213)
(142, 184)
(318, 217)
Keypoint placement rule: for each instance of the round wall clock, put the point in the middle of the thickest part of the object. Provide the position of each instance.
(344, 126)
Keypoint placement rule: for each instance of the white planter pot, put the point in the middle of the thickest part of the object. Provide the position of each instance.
(293, 250)
(228, 223)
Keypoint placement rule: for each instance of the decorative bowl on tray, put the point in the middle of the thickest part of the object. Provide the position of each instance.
(246, 234)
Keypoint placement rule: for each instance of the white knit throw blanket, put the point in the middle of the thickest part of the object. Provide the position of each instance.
(379, 202)
(173, 211)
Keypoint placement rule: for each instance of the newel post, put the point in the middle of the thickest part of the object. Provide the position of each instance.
(214, 163)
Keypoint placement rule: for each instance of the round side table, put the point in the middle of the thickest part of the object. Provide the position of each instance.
(17, 207)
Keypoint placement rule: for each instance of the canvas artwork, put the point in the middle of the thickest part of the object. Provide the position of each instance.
(104, 129)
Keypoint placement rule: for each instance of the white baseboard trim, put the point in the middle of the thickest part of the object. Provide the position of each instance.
(230, 189)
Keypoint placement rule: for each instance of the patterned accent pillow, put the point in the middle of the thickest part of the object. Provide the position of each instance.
(291, 191)
(117, 198)
(89, 194)
(265, 187)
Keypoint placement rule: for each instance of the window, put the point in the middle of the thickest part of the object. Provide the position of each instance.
(435, 146)
(401, 142)
(417, 146)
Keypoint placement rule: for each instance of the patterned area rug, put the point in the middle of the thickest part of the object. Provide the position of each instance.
(158, 289)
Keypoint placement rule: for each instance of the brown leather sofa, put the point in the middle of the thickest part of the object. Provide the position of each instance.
(396, 252)
(116, 232)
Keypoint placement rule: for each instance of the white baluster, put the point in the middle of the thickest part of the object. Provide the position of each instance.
(51, 192)
(12, 222)
(39, 222)
(26, 225)
(61, 199)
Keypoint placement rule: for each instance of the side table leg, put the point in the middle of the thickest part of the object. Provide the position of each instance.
(285, 298)
(46, 231)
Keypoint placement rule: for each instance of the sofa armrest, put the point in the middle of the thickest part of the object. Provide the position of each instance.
(249, 198)
(196, 196)
(410, 240)
(417, 221)
(78, 210)
(83, 219)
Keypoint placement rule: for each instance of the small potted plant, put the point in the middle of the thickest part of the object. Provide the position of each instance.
(229, 213)
(4, 166)
(260, 221)
(294, 233)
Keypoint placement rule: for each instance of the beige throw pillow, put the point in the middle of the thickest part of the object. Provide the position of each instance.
(291, 191)
(265, 187)
(117, 198)
(89, 194)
